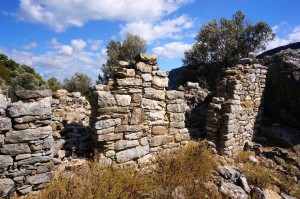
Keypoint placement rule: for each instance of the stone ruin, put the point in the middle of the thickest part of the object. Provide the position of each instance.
(134, 117)
(26, 158)
(235, 113)
(128, 122)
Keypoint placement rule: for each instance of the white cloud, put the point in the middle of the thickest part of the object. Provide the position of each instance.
(78, 44)
(172, 28)
(172, 50)
(30, 46)
(95, 44)
(292, 37)
(59, 15)
(63, 60)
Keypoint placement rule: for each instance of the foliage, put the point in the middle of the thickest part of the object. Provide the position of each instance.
(79, 82)
(222, 44)
(18, 77)
(25, 78)
(121, 51)
(54, 84)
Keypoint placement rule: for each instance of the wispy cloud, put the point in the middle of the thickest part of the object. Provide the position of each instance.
(30, 46)
(63, 60)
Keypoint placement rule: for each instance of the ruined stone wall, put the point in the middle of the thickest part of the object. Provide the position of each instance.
(134, 117)
(235, 112)
(70, 123)
(25, 142)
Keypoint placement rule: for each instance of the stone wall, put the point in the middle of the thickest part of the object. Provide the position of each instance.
(25, 142)
(234, 114)
(134, 117)
(70, 122)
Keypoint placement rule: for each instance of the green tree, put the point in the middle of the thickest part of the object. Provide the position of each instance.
(222, 44)
(79, 82)
(121, 51)
(54, 84)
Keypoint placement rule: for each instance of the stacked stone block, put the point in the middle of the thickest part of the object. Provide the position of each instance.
(70, 121)
(235, 112)
(133, 117)
(70, 107)
(25, 141)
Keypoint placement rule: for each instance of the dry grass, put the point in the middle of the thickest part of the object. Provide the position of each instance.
(186, 173)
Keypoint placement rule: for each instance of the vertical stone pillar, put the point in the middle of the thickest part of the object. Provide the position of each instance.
(235, 112)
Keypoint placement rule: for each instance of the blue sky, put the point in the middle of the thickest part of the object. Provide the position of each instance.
(60, 37)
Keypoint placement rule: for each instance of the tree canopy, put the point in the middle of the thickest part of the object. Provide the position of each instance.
(121, 51)
(223, 43)
(79, 82)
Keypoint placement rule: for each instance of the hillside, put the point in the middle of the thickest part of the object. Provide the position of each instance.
(278, 49)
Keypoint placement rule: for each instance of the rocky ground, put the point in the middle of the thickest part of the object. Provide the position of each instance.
(260, 172)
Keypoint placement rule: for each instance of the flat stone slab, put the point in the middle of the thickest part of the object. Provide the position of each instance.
(38, 108)
(29, 94)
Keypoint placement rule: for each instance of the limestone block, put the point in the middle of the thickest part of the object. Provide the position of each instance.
(147, 77)
(161, 140)
(104, 124)
(15, 149)
(145, 68)
(109, 110)
(5, 162)
(159, 130)
(38, 108)
(130, 72)
(39, 178)
(182, 137)
(128, 128)
(156, 115)
(137, 116)
(179, 125)
(172, 95)
(28, 94)
(4, 102)
(28, 134)
(130, 154)
(161, 73)
(152, 104)
(177, 117)
(125, 144)
(109, 137)
(161, 82)
(176, 108)
(5, 124)
(6, 185)
(148, 58)
(103, 99)
(133, 136)
(144, 141)
(22, 156)
(129, 82)
(24, 189)
(152, 93)
(136, 98)
(123, 100)
(105, 131)
(36, 159)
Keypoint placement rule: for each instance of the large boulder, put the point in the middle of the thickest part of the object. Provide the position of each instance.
(282, 95)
